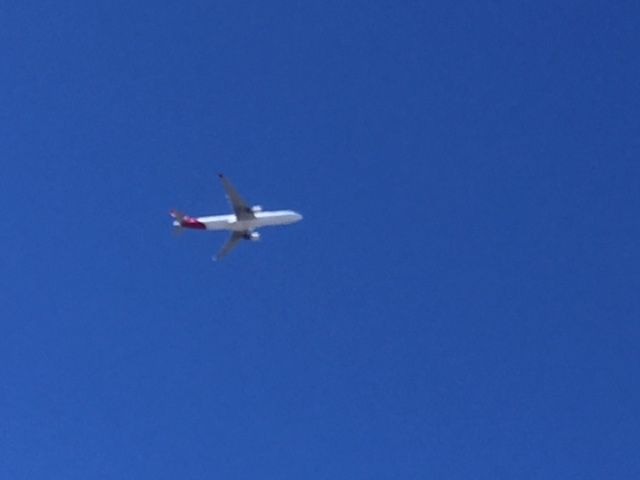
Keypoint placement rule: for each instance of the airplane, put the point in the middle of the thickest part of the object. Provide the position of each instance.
(242, 223)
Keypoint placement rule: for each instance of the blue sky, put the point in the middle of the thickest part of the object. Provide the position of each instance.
(460, 301)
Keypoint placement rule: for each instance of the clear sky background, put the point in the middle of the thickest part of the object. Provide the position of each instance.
(460, 301)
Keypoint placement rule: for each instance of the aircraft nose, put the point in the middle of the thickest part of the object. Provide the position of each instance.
(297, 216)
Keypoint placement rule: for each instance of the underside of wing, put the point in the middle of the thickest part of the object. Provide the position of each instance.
(240, 207)
(231, 242)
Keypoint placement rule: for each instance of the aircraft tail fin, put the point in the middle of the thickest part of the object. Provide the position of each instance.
(180, 220)
(176, 215)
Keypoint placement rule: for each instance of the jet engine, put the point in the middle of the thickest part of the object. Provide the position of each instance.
(256, 208)
(253, 236)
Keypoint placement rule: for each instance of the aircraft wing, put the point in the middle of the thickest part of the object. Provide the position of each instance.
(240, 207)
(231, 242)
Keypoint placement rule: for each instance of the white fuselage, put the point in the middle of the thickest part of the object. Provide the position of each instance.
(262, 219)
